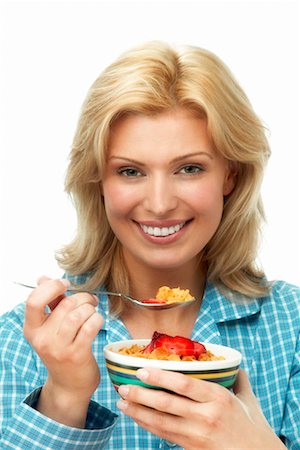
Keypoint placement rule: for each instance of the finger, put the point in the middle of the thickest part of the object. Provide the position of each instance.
(52, 305)
(73, 321)
(65, 307)
(159, 400)
(37, 301)
(42, 279)
(81, 298)
(88, 332)
(163, 425)
(195, 389)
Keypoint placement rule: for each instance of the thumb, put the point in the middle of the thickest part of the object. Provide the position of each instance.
(242, 386)
(245, 396)
(42, 279)
(244, 393)
(243, 389)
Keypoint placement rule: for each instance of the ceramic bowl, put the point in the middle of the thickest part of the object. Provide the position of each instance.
(122, 368)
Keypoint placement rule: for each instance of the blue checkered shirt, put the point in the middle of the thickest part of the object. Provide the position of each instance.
(265, 331)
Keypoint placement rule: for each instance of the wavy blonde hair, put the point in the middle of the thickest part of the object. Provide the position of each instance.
(147, 80)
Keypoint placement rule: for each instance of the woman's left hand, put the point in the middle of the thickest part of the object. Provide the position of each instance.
(204, 415)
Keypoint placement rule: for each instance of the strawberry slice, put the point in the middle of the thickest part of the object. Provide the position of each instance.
(154, 300)
(152, 345)
(178, 345)
(198, 349)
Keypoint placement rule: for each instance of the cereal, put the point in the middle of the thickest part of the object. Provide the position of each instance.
(171, 295)
(162, 354)
(171, 348)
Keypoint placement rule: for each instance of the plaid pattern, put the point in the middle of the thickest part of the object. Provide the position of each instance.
(266, 331)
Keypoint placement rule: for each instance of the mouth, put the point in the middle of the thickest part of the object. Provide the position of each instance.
(162, 231)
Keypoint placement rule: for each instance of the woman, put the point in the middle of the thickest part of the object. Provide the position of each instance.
(165, 173)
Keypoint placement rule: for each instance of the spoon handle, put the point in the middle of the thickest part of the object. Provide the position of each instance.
(75, 290)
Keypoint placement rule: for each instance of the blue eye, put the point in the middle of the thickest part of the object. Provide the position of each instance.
(191, 169)
(129, 172)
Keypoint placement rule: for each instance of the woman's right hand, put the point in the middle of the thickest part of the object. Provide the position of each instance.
(63, 340)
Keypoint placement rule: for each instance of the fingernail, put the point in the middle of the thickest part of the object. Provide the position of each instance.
(123, 390)
(142, 374)
(65, 282)
(96, 299)
(122, 405)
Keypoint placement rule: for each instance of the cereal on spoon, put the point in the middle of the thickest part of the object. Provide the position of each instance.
(167, 295)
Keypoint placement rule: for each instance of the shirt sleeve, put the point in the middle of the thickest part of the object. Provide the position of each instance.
(290, 429)
(21, 425)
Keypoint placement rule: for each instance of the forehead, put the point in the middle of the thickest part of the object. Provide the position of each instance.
(177, 129)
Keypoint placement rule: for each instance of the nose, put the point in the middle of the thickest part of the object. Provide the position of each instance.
(160, 196)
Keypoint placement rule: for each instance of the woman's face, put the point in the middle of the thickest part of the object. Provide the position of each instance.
(163, 187)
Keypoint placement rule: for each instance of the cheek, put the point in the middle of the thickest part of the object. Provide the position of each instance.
(117, 200)
(208, 199)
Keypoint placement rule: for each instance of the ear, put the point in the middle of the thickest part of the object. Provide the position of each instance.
(230, 178)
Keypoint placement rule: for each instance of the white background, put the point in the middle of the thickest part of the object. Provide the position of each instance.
(50, 54)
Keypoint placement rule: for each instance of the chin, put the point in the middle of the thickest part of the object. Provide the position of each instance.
(170, 264)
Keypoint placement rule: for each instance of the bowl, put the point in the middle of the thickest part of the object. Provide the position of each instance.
(122, 368)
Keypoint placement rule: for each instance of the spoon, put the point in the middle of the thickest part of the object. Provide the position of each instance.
(144, 304)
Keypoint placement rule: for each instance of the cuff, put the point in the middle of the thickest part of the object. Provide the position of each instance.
(31, 430)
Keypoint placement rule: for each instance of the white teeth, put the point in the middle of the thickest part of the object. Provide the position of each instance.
(164, 231)
(157, 231)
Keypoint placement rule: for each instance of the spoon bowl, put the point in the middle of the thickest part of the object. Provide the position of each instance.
(143, 304)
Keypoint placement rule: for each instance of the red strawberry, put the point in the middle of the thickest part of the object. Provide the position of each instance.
(178, 344)
(198, 349)
(151, 346)
(154, 300)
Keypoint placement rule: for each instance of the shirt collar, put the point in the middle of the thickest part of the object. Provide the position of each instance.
(225, 305)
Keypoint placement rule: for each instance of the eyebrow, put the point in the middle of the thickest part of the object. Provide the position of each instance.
(177, 159)
(188, 155)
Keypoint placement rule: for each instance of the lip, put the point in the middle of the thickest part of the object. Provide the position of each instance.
(163, 240)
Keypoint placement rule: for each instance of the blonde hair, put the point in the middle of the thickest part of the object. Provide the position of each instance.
(148, 80)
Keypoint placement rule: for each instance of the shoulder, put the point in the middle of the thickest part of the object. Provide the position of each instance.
(285, 295)
(282, 304)
(284, 287)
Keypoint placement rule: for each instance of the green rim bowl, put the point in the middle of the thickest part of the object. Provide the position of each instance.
(122, 368)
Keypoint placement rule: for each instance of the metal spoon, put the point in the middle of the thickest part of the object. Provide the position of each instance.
(157, 306)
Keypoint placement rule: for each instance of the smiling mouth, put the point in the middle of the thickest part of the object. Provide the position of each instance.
(162, 231)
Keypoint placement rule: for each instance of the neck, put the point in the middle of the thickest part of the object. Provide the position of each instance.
(145, 281)
(141, 322)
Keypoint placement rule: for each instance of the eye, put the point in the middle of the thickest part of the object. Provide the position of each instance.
(191, 169)
(129, 172)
